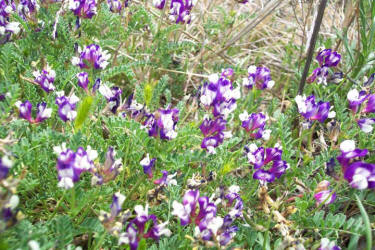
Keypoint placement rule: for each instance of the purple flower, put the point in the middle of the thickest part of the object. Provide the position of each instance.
(166, 179)
(116, 206)
(254, 124)
(7, 28)
(113, 96)
(180, 10)
(259, 77)
(167, 122)
(25, 111)
(83, 8)
(312, 111)
(45, 79)
(360, 175)
(114, 5)
(370, 105)
(322, 196)
(109, 171)
(148, 165)
(5, 165)
(83, 80)
(92, 56)
(260, 157)
(326, 59)
(214, 134)
(366, 124)
(136, 111)
(370, 80)
(186, 210)
(67, 106)
(219, 94)
(349, 152)
(326, 244)
(71, 164)
(159, 4)
(136, 228)
(355, 99)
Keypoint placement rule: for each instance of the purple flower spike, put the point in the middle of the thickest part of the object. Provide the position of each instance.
(254, 124)
(92, 56)
(159, 4)
(67, 106)
(326, 244)
(45, 79)
(366, 124)
(328, 58)
(187, 209)
(259, 77)
(167, 122)
(27, 7)
(180, 10)
(83, 8)
(312, 111)
(5, 165)
(83, 80)
(148, 165)
(42, 112)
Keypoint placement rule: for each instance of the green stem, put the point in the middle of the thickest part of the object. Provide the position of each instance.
(140, 180)
(57, 206)
(100, 241)
(366, 220)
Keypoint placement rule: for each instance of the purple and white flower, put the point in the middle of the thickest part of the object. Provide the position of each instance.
(92, 56)
(71, 164)
(148, 164)
(7, 28)
(25, 109)
(260, 157)
(113, 96)
(167, 122)
(159, 4)
(326, 244)
(67, 106)
(360, 175)
(259, 77)
(45, 79)
(180, 10)
(214, 133)
(366, 124)
(83, 80)
(255, 124)
(324, 194)
(5, 166)
(356, 98)
(83, 8)
(326, 59)
(312, 111)
(27, 7)
(166, 179)
(349, 153)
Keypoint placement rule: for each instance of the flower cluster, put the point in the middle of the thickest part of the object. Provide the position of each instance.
(109, 171)
(70, 165)
(326, 244)
(7, 28)
(208, 224)
(312, 111)
(179, 11)
(259, 77)
(112, 95)
(136, 228)
(326, 59)
(324, 194)
(25, 110)
(92, 56)
(359, 174)
(362, 103)
(219, 94)
(166, 180)
(67, 106)
(83, 8)
(260, 157)
(214, 133)
(45, 79)
(255, 124)
(162, 123)
(27, 7)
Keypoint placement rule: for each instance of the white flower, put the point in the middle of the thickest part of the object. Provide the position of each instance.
(65, 182)
(347, 146)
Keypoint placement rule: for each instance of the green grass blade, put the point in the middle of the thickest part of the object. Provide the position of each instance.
(366, 220)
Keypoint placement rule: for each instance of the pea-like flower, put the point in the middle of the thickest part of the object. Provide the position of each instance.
(326, 59)
(255, 124)
(92, 56)
(180, 10)
(25, 109)
(326, 244)
(83, 8)
(260, 157)
(83, 80)
(260, 77)
(70, 165)
(324, 194)
(5, 166)
(116, 6)
(166, 179)
(67, 106)
(349, 153)
(159, 4)
(214, 133)
(113, 96)
(148, 164)
(109, 171)
(167, 122)
(312, 111)
(7, 28)
(45, 79)
(366, 124)
(27, 7)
